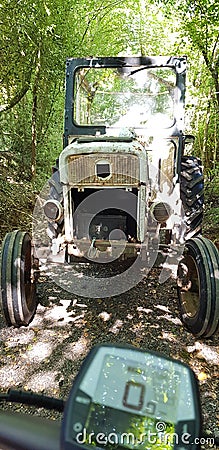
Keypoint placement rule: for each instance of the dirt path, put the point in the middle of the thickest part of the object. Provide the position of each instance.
(46, 356)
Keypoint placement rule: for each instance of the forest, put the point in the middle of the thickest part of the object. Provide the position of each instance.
(37, 37)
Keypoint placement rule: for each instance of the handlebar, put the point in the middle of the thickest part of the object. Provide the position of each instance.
(23, 432)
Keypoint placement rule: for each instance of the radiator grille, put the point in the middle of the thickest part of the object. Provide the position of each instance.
(124, 170)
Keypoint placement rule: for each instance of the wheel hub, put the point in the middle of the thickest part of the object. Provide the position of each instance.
(188, 282)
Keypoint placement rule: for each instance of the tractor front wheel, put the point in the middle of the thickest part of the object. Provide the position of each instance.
(198, 287)
(18, 287)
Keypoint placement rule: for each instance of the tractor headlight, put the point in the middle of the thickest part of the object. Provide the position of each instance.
(161, 211)
(53, 210)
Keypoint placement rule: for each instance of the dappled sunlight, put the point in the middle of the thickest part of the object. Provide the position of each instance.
(20, 337)
(142, 310)
(138, 329)
(23, 352)
(39, 351)
(58, 314)
(42, 346)
(45, 357)
(115, 328)
(77, 350)
(168, 336)
(170, 318)
(41, 381)
(205, 352)
(12, 375)
(162, 308)
(105, 316)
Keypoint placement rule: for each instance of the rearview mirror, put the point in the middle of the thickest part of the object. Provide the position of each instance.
(127, 398)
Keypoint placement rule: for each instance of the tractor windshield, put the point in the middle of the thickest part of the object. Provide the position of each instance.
(138, 98)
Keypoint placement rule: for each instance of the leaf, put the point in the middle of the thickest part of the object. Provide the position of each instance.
(202, 376)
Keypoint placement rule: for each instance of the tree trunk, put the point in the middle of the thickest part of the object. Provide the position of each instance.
(34, 115)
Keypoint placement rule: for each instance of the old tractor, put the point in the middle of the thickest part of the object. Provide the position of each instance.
(125, 188)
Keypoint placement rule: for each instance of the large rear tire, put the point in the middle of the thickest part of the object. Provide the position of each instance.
(55, 193)
(18, 287)
(198, 287)
(192, 194)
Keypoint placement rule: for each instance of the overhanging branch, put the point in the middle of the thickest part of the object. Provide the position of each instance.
(18, 96)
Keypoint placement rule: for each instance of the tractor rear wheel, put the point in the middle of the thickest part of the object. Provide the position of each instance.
(55, 193)
(18, 287)
(198, 287)
(192, 194)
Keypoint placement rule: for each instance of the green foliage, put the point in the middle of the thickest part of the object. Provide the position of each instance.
(211, 212)
(37, 37)
(199, 34)
(17, 197)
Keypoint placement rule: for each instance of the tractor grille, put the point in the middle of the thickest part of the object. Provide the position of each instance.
(123, 170)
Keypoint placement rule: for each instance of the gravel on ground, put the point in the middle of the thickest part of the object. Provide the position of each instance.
(46, 356)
